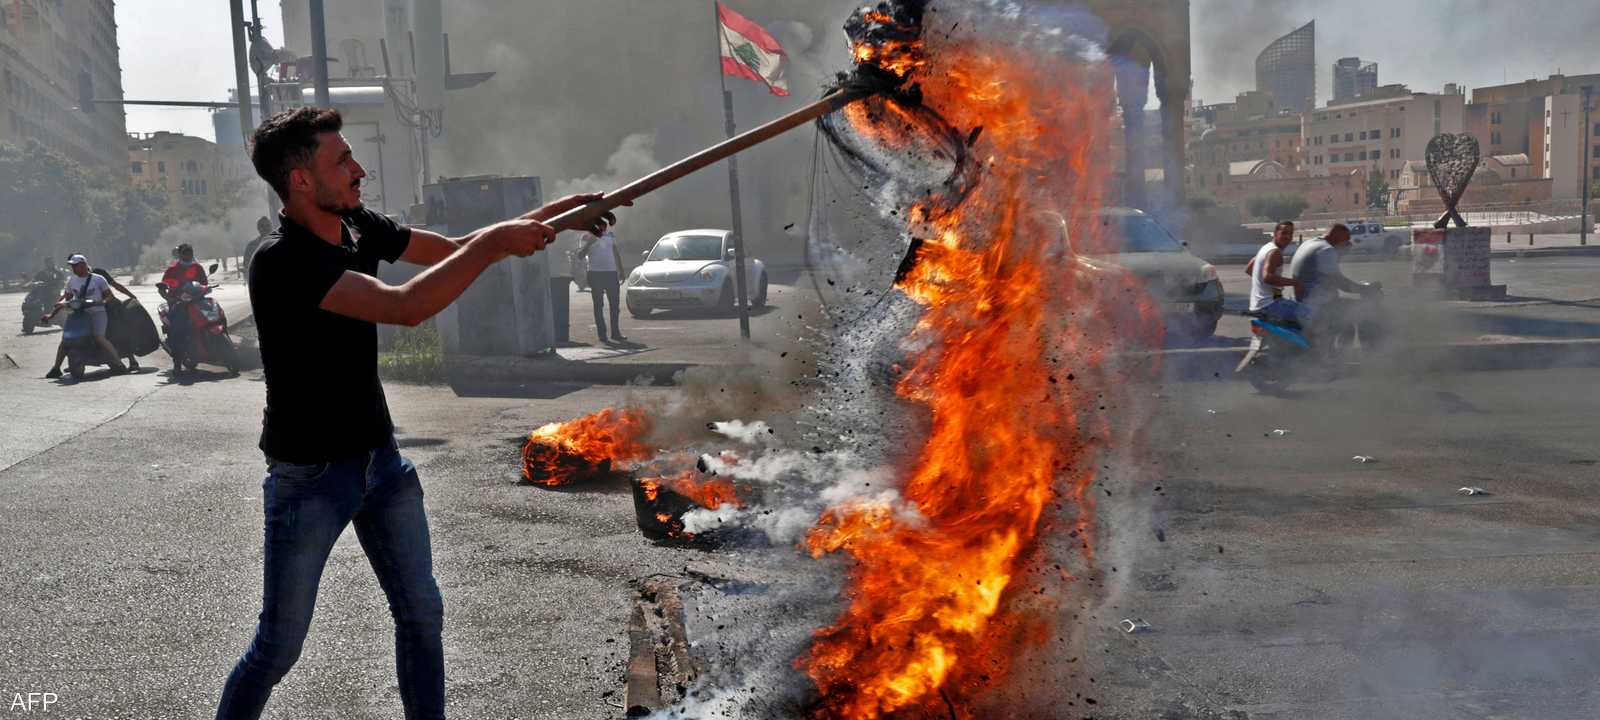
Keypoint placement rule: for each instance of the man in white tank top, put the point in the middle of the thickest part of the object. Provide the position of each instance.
(1267, 280)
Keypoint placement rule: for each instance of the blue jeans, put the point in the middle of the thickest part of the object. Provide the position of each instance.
(307, 507)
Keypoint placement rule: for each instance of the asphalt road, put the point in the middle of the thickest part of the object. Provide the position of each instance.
(1287, 581)
(1290, 581)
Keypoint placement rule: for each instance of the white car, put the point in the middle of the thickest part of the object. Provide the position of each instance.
(1370, 236)
(692, 269)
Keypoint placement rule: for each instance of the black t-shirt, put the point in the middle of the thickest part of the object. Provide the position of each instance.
(324, 401)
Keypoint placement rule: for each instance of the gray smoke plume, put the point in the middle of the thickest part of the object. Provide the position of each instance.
(563, 101)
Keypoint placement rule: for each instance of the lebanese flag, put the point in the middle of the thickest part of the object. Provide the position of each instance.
(751, 52)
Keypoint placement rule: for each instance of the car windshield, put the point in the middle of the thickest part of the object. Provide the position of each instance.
(1140, 234)
(687, 247)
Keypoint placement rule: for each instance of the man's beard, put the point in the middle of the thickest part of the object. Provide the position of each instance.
(328, 200)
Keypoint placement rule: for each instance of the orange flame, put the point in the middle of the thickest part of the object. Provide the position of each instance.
(559, 453)
(929, 582)
(707, 492)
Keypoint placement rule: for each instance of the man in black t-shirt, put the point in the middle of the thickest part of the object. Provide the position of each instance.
(326, 432)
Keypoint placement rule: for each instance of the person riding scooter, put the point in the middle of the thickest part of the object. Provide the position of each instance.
(87, 292)
(183, 268)
(1320, 280)
(1267, 281)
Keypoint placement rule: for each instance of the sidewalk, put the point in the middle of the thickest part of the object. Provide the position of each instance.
(658, 348)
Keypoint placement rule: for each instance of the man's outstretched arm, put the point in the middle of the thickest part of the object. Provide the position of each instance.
(364, 297)
(428, 248)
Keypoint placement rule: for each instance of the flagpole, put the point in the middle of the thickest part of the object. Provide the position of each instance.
(733, 185)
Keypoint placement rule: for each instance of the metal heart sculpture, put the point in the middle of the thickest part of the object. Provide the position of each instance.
(1452, 159)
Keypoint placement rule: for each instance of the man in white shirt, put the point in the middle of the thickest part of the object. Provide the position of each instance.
(605, 269)
(1267, 280)
(93, 290)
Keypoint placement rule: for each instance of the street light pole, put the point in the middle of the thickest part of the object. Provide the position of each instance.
(1588, 158)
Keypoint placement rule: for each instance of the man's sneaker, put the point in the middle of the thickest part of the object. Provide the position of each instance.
(53, 374)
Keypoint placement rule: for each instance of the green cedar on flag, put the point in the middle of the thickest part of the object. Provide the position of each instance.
(751, 52)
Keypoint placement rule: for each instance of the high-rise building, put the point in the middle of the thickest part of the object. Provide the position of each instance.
(1351, 77)
(50, 53)
(1287, 68)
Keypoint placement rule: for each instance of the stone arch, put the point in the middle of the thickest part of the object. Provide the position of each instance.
(1136, 57)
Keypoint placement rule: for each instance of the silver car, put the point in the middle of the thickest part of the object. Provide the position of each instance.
(691, 269)
(1186, 286)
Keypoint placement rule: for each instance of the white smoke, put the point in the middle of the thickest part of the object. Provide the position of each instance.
(754, 433)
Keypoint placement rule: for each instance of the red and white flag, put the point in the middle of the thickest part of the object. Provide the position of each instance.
(748, 51)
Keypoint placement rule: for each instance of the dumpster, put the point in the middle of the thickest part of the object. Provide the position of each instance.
(560, 306)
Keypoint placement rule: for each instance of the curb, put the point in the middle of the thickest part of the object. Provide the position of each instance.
(1566, 251)
(1218, 363)
(554, 369)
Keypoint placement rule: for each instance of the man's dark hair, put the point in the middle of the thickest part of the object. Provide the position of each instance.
(1282, 223)
(1336, 228)
(287, 141)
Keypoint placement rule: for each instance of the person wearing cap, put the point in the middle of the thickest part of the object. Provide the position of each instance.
(94, 291)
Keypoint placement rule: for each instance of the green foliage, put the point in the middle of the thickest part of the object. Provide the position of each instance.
(1277, 207)
(417, 356)
(53, 206)
(1377, 191)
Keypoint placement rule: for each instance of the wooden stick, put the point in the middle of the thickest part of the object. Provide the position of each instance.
(584, 217)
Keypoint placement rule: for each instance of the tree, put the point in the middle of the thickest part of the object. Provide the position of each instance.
(1277, 207)
(52, 206)
(1377, 192)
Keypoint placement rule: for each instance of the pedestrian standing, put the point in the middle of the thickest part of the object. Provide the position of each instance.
(605, 282)
(331, 455)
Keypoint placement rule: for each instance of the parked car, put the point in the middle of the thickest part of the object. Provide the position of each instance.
(1370, 236)
(1186, 286)
(692, 269)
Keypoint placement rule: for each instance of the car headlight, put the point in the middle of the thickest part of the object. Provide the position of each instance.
(711, 272)
(633, 277)
(1208, 273)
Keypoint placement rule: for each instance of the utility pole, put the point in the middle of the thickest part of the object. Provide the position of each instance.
(742, 296)
(319, 54)
(1588, 157)
(274, 204)
(241, 70)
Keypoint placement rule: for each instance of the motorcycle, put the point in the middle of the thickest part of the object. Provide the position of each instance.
(1274, 349)
(40, 298)
(77, 336)
(1279, 348)
(196, 328)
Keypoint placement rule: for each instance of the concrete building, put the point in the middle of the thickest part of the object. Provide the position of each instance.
(50, 51)
(1500, 180)
(1351, 76)
(1509, 119)
(1378, 135)
(1216, 156)
(1571, 151)
(193, 172)
(1287, 69)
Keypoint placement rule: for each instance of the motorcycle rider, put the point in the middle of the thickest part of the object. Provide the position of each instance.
(1320, 279)
(48, 272)
(183, 268)
(1267, 281)
(94, 291)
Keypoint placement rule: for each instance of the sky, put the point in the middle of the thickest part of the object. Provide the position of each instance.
(180, 50)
